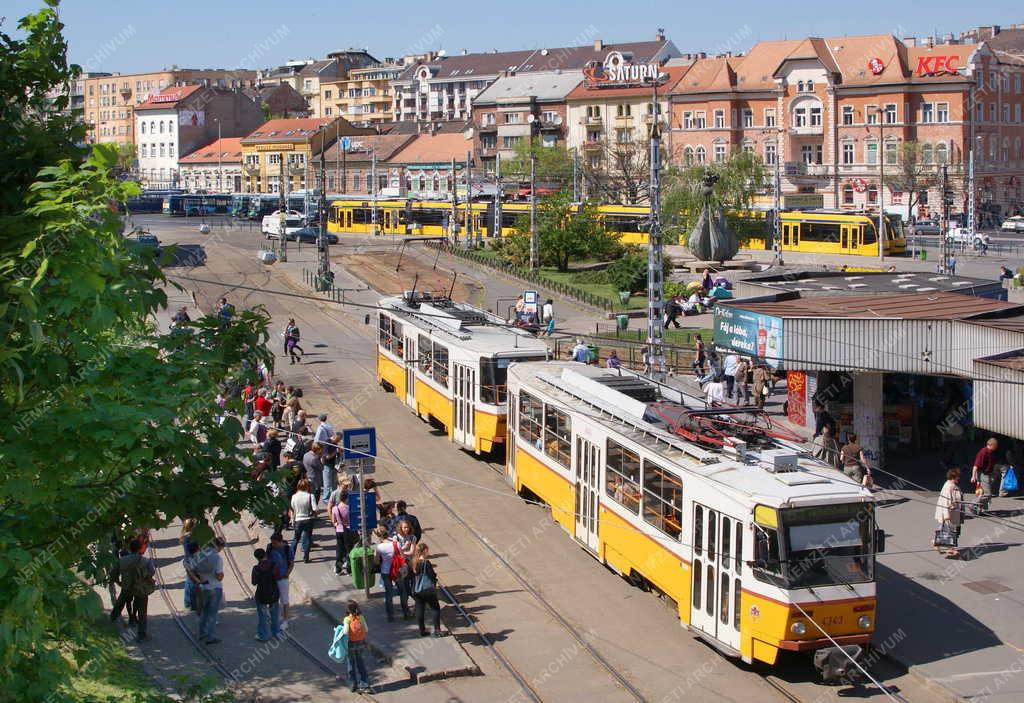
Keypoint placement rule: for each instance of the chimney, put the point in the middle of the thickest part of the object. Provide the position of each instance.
(598, 45)
(910, 41)
(660, 34)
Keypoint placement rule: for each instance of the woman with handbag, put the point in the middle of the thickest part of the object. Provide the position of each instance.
(947, 514)
(424, 590)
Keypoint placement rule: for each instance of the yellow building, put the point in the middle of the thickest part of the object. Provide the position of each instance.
(290, 147)
(364, 97)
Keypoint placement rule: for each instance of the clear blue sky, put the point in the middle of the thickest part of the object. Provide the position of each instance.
(115, 35)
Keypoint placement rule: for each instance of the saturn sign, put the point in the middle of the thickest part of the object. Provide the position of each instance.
(616, 70)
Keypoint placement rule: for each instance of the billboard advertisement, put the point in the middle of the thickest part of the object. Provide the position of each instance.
(749, 333)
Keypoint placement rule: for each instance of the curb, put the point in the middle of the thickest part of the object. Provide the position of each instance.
(941, 690)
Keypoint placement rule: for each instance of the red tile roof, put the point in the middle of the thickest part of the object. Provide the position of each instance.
(287, 129)
(168, 97)
(437, 148)
(224, 149)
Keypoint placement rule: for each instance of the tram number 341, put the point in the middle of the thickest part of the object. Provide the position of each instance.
(830, 620)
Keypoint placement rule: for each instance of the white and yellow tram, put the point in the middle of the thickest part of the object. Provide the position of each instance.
(448, 361)
(762, 548)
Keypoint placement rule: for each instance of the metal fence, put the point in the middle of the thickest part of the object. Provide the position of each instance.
(331, 292)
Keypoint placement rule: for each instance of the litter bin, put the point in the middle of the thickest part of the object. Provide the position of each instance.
(355, 559)
(924, 254)
(622, 322)
(624, 296)
(594, 350)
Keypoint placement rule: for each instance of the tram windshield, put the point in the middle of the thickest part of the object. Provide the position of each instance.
(494, 377)
(829, 545)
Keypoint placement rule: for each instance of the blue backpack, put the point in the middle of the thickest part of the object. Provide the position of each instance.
(1010, 484)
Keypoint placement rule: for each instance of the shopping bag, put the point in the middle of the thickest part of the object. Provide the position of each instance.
(1010, 481)
(945, 536)
(338, 651)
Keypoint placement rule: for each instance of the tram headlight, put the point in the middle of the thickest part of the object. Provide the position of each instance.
(864, 622)
(798, 628)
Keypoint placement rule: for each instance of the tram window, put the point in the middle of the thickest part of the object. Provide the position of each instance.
(698, 528)
(737, 589)
(427, 216)
(712, 534)
(723, 598)
(361, 216)
(557, 435)
(332, 215)
(385, 331)
(426, 355)
(698, 575)
(868, 234)
(397, 340)
(441, 364)
(726, 550)
(739, 547)
(531, 414)
(663, 500)
(709, 596)
(623, 476)
(767, 559)
(819, 232)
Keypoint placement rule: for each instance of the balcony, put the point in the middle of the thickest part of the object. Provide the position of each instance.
(488, 127)
(800, 169)
(591, 145)
(807, 130)
(251, 169)
(624, 121)
(593, 120)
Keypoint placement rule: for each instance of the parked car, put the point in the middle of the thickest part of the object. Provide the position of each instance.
(926, 227)
(1013, 224)
(140, 240)
(964, 236)
(310, 235)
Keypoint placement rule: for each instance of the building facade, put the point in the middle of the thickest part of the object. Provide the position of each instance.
(836, 115)
(445, 87)
(518, 106)
(179, 120)
(307, 76)
(110, 100)
(364, 97)
(423, 168)
(287, 149)
(351, 171)
(213, 168)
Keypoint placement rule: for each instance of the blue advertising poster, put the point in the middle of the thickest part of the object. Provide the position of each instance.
(749, 333)
(355, 518)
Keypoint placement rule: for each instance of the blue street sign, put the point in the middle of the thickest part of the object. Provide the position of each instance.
(359, 443)
(355, 517)
(345, 143)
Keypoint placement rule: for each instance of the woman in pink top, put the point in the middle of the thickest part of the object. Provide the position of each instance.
(339, 517)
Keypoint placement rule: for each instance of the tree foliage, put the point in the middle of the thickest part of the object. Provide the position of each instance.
(554, 163)
(740, 177)
(565, 233)
(110, 424)
(914, 173)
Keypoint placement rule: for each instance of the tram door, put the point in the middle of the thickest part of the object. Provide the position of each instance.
(716, 575)
(588, 464)
(410, 371)
(465, 387)
(849, 236)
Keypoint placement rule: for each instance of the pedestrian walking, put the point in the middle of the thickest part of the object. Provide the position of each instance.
(828, 451)
(951, 264)
(314, 470)
(948, 510)
(549, 328)
(136, 574)
(355, 626)
(729, 366)
(740, 381)
(303, 514)
(855, 465)
(210, 567)
(715, 370)
(424, 590)
(698, 356)
(760, 378)
(283, 556)
(329, 459)
(984, 474)
(822, 419)
(338, 510)
(384, 554)
(548, 311)
(265, 575)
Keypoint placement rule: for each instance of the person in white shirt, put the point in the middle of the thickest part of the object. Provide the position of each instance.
(257, 430)
(209, 566)
(385, 552)
(548, 311)
(303, 513)
(732, 360)
(715, 392)
(324, 431)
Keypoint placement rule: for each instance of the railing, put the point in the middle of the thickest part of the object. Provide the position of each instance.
(315, 281)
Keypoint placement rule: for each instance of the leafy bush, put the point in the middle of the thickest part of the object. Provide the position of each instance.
(629, 273)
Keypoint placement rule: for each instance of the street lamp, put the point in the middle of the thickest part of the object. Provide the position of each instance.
(880, 113)
(655, 363)
(220, 159)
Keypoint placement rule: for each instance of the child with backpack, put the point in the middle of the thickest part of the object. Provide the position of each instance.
(355, 627)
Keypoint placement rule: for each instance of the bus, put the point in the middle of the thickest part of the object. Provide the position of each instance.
(196, 204)
(263, 204)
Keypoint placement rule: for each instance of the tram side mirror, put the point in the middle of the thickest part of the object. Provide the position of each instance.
(366, 319)
(879, 541)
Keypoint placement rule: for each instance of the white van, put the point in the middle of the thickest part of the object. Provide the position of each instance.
(271, 227)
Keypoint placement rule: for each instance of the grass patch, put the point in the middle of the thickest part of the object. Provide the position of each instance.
(673, 337)
(111, 675)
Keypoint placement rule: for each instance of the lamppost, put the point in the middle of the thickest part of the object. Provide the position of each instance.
(881, 183)
(655, 362)
(776, 195)
(324, 268)
(220, 159)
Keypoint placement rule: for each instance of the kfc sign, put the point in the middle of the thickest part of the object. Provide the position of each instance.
(937, 65)
(876, 66)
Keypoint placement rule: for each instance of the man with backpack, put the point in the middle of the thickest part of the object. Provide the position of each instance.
(265, 576)
(137, 576)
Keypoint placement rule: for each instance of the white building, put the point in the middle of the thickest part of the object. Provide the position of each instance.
(214, 168)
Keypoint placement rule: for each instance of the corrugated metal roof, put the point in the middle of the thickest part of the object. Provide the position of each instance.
(906, 306)
(541, 85)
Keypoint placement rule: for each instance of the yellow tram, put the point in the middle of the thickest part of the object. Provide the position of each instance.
(432, 218)
(762, 548)
(448, 362)
(833, 232)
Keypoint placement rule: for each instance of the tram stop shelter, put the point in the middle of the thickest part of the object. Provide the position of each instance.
(912, 373)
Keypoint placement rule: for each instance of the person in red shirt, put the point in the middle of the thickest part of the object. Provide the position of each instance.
(263, 404)
(984, 473)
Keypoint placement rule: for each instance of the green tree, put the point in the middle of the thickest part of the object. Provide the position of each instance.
(916, 172)
(740, 177)
(554, 163)
(565, 233)
(110, 424)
